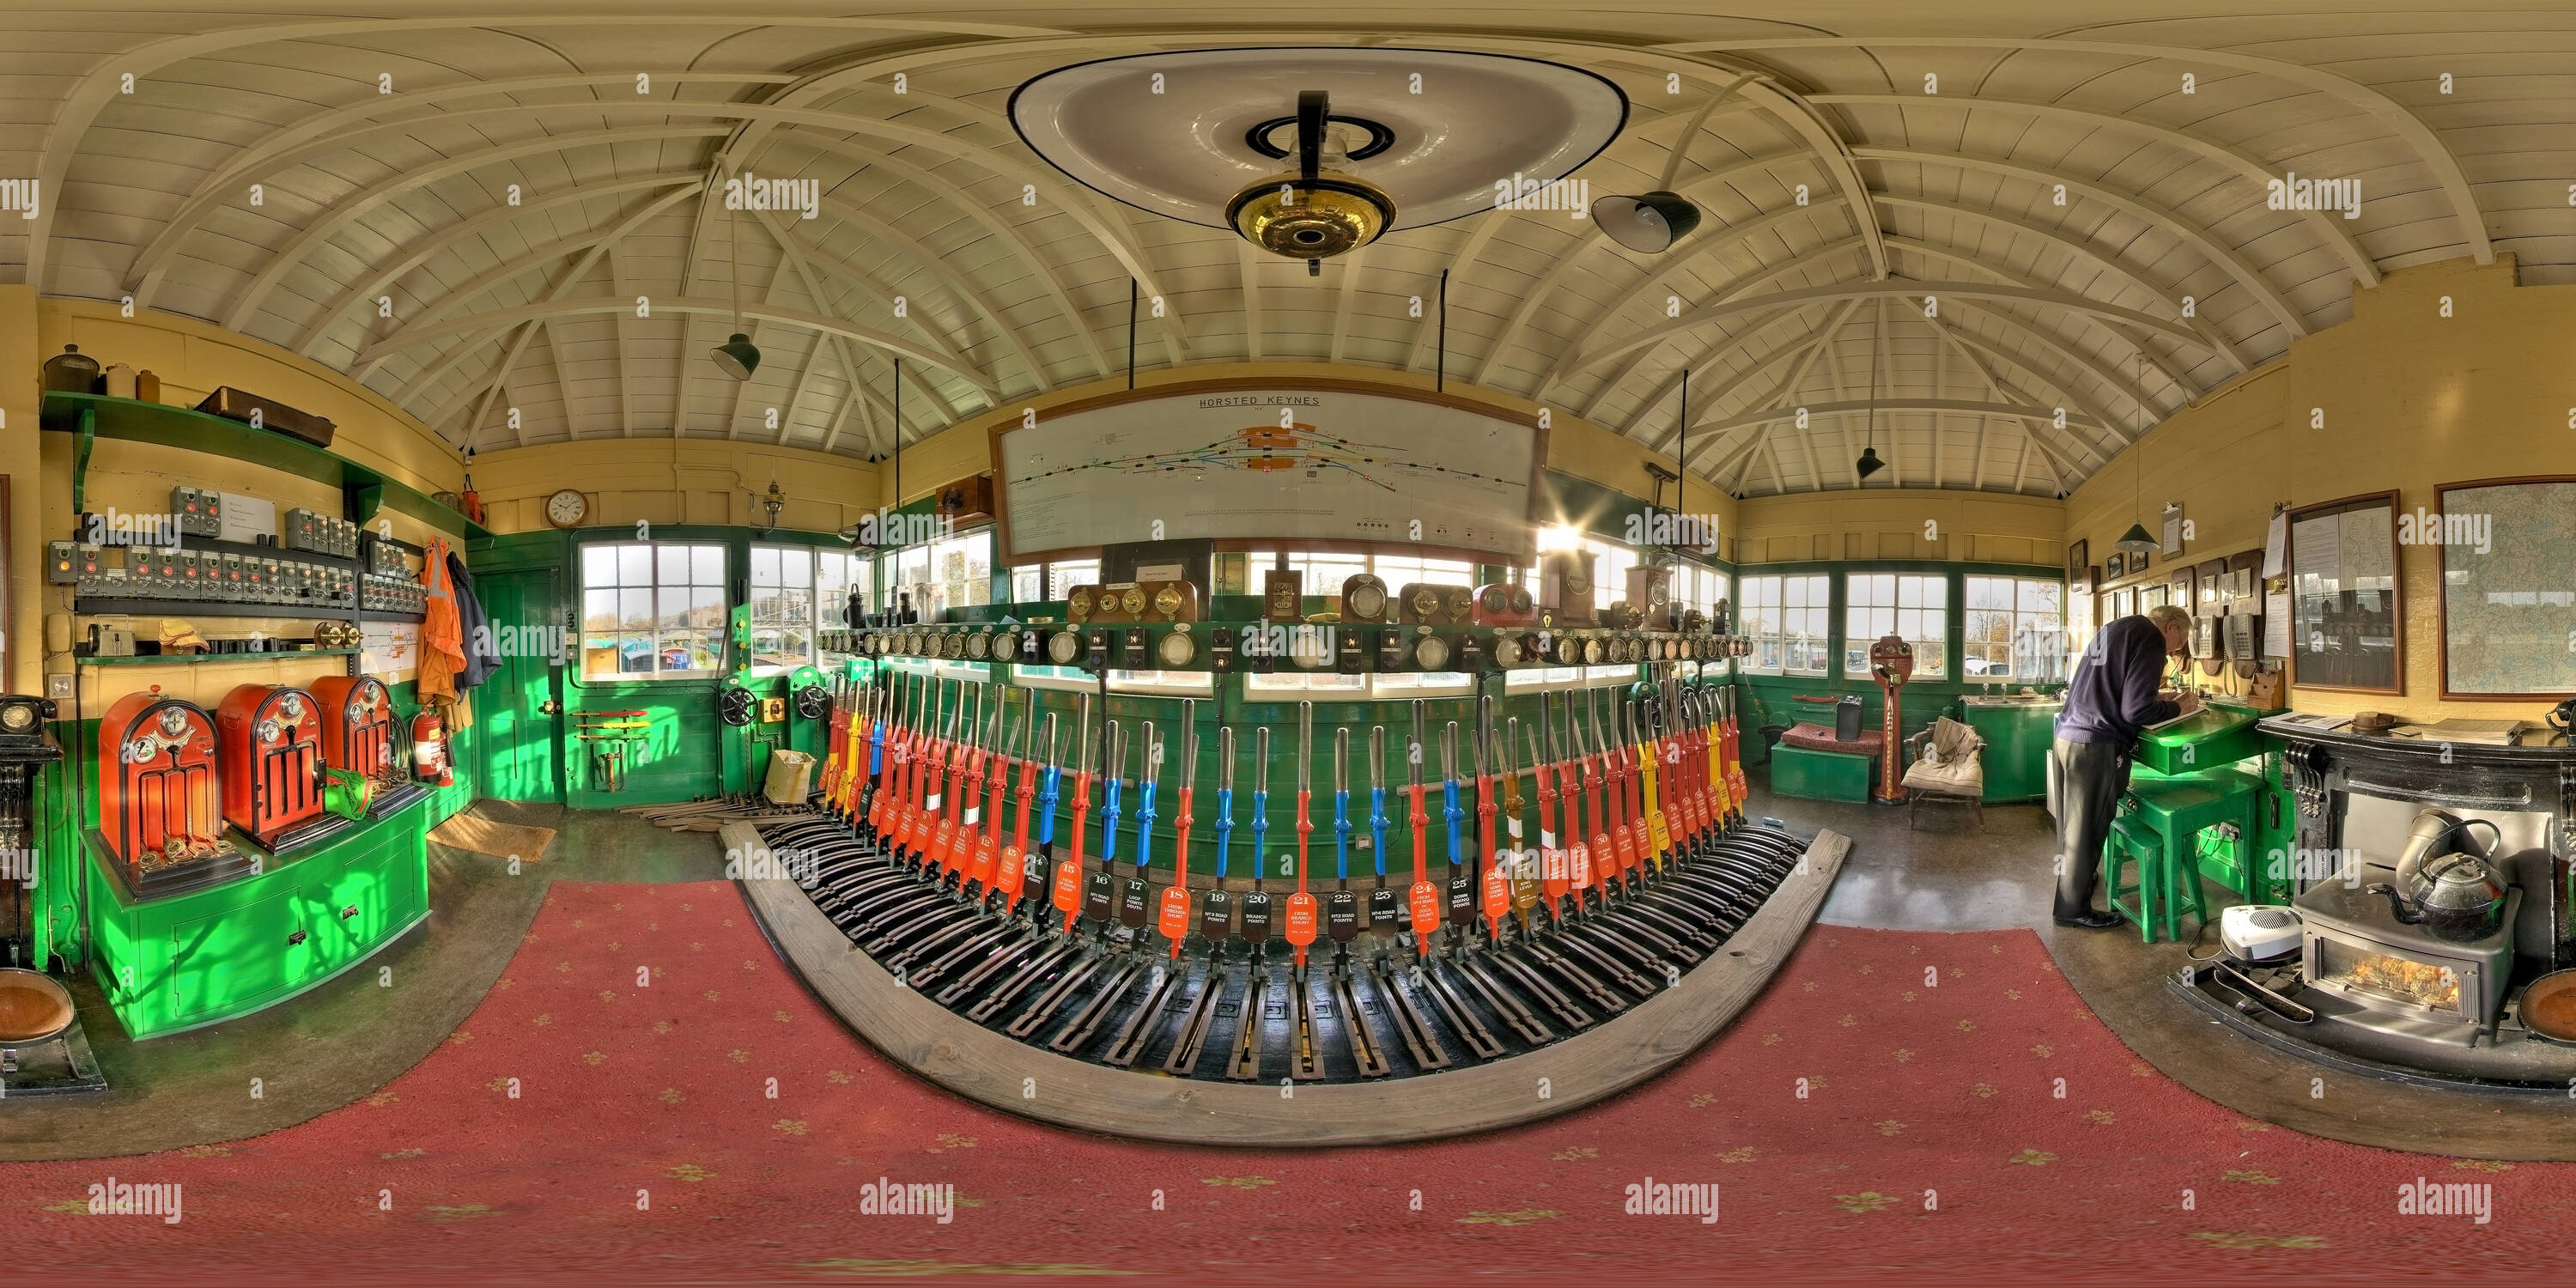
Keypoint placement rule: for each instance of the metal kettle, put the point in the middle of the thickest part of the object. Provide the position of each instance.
(2445, 882)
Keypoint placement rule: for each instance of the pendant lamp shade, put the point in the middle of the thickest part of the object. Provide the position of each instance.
(738, 357)
(2137, 540)
(1650, 224)
(1868, 463)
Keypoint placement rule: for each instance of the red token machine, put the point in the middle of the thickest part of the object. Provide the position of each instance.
(1891, 663)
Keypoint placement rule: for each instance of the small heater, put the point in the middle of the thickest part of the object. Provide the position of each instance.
(271, 740)
(159, 800)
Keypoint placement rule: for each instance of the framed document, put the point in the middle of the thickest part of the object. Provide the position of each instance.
(2079, 565)
(2346, 608)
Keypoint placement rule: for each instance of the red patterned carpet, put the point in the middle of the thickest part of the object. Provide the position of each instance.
(642, 1146)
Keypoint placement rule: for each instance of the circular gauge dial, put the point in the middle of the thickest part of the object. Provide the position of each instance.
(1176, 649)
(1368, 601)
(1063, 647)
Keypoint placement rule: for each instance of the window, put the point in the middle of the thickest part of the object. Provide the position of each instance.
(1323, 573)
(1610, 564)
(796, 591)
(2015, 630)
(955, 572)
(1914, 608)
(1399, 571)
(837, 573)
(1785, 616)
(1061, 578)
(1026, 583)
(1700, 588)
(652, 609)
(782, 607)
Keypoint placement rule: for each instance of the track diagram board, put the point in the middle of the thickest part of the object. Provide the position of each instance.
(1283, 465)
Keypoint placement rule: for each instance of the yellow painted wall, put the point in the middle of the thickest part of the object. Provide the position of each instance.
(663, 480)
(21, 395)
(192, 358)
(2410, 399)
(1981, 527)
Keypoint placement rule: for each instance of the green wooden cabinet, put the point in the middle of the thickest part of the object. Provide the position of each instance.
(2018, 732)
(168, 965)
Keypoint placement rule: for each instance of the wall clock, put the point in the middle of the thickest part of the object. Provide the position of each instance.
(567, 508)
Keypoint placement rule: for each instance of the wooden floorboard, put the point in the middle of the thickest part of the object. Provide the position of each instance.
(1006, 1074)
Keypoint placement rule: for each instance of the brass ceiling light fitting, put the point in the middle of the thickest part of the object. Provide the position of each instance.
(737, 357)
(1311, 213)
(1311, 152)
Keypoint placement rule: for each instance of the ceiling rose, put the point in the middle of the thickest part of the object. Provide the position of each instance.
(1429, 134)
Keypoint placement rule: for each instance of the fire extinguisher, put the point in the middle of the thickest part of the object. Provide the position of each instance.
(429, 763)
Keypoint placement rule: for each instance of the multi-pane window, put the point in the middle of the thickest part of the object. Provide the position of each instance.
(1700, 588)
(954, 572)
(652, 609)
(1787, 620)
(2015, 630)
(782, 606)
(1322, 573)
(1061, 578)
(1027, 580)
(837, 573)
(1913, 608)
(1399, 571)
(796, 592)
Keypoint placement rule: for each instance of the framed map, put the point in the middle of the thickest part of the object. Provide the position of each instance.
(1315, 464)
(2508, 592)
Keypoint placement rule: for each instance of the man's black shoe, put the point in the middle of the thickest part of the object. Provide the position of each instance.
(2103, 920)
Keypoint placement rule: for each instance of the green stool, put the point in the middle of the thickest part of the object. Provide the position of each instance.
(2133, 841)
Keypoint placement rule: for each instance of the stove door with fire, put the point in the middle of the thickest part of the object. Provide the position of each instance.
(271, 740)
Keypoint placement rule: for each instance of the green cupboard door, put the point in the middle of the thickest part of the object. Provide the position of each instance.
(517, 712)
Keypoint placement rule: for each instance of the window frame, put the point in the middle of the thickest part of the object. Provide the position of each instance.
(721, 630)
(1938, 672)
(2014, 616)
(1744, 584)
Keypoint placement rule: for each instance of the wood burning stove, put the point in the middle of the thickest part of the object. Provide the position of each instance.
(271, 741)
(2399, 979)
(159, 797)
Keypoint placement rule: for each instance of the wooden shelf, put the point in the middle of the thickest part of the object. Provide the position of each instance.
(199, 659)
(365, 489)
(90, 606)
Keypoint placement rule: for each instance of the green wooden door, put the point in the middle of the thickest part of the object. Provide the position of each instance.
(517, 713)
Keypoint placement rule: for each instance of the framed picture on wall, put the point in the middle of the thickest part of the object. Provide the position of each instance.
(2508, 608)
(2140, 561)
(2114, 564)
(2345, 602)
(2079, 566)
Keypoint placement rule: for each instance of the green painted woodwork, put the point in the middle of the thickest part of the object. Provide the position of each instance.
(2217, 734)
(173, 964)
(2015, 759)
(1822, 775)
(519, 728)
